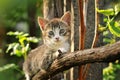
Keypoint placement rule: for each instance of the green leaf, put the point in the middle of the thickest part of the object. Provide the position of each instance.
(106, 33)
(105, 19)
(17, 51)
(106, 12)
(10, 46)
(7, 66)
(21, 40)
(25, 35)
(14, 33)
(117, 9)
(114, 28)
(101, 28)
(27, 47)
(18, 34)
(33, 39)
(107, 40)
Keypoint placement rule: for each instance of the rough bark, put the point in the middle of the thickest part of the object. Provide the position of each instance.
(94, 70)
(52, 9)
(74, 35)
(106, 53)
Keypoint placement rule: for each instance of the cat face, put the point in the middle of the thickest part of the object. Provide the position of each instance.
(56, 31)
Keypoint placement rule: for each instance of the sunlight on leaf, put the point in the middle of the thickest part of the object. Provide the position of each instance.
(106, 12)
(107, 40)
(101, 28)
(8, 66)
(16, 50)
(106, 33)
(21, 47)
(114, 28)
(10, 46)
(33, 39)
(117, 9)
(27, 48)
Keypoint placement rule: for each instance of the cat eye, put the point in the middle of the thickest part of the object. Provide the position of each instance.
(62, 31)
(51, 33)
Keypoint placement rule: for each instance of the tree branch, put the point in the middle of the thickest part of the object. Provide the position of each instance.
(106, 53)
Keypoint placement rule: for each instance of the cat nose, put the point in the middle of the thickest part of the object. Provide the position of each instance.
(57, 38)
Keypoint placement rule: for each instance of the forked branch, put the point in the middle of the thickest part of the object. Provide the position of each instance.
(106, 53)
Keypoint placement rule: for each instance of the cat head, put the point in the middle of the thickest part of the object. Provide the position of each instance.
(57, 30)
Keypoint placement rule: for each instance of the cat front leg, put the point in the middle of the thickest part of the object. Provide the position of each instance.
(47, 61)
(56, 54)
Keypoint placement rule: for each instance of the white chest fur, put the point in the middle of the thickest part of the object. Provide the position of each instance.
(65, 47)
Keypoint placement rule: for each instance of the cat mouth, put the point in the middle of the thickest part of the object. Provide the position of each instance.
(57, 40)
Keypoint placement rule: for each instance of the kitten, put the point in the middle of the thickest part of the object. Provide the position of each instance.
(56, 37)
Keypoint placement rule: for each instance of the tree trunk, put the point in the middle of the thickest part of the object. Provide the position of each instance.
(95, 70)
(32, 20)
(2, 44)
(52, 9)
(75, 31)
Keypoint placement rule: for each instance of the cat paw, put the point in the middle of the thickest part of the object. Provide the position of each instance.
(60, 54)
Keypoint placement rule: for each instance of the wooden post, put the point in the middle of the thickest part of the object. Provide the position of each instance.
(75, 34)
(82, 35)
(87, 66)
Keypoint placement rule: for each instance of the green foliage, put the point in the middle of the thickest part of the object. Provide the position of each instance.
(111, 31)
(21, 47)
(107, 12)
(8, 70)
(14, 11)
(112, 26)
(8, 66)
(109, 73)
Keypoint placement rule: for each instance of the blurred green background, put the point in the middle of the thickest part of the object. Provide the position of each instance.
(16, 15)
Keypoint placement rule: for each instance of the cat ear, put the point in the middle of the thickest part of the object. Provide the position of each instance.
(42, 23)
(66, 17)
